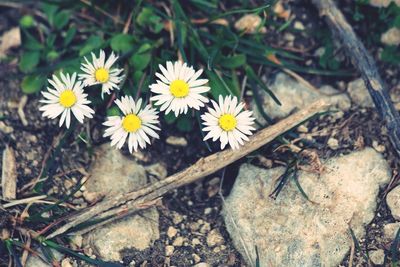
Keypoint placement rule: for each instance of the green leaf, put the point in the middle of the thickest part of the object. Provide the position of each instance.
(122, 42)
(147, 18)
(170, 118)
(140, 61)
(49, 10)
(391, 55)
(185, 124)
(137, 76)
(31, 43)
(32, 84)
(94, 42)
(61, 19)
(50, 40)
(29, 61)
(113, 111)
(396, 22)
(69, 36)
(27, 21)
(217, 88)
(233, 62)
(52, 55)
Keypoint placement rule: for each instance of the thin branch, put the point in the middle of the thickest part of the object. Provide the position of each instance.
(137, 200)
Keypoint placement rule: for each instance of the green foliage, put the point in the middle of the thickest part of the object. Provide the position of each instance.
(185, 123)
(92, 43)
(147, 18)
(391, 55)
(27, 21)
(122, 42)
(32, 84)
(29, 60)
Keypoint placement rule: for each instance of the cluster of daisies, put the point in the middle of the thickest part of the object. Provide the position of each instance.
(178, 88)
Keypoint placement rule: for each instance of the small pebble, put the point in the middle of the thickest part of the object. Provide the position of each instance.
(298, 25)
(207, 211)
(333, 143)
(178, 241)
(169, 250)
(171, 232)
(302, 129)
(176, 141)
(176, 218)
(196, 258)
(195, 242)
(379, 148)
(377, 256)
(214, 238)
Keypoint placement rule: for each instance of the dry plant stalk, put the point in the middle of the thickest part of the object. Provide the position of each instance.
(116, 207)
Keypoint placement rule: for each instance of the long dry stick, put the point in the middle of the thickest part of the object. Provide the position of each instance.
(111, 208)
(365, 64)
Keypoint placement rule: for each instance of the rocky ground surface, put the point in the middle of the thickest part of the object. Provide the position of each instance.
(349, 182)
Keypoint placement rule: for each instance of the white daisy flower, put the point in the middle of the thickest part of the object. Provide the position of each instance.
(99, 71)
(136, 124)
(228, 122)
(179, 88)
(66, 96)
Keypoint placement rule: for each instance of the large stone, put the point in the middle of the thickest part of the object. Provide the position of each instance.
(383, 3)
(391, 37)
(36, 261)
(291, 231)
(393, 201)
(294, 95)
(359, 93)
(111, 174)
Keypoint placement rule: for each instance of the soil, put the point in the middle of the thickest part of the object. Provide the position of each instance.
(193, 210)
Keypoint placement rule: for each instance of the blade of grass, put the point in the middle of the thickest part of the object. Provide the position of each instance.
(85, 258)
(250, 72)
(242, 10)
(394, 249)
(258, 102)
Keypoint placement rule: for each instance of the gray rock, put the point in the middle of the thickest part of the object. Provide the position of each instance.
(391, 37)
(359, 93)
(111, 174)
(291, 231)
(294, 95)
(393, 201)
(390, 231)
(383, 3)
(377, 256)
(34, 261)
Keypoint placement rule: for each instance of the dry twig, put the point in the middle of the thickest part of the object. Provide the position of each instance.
(136, 200)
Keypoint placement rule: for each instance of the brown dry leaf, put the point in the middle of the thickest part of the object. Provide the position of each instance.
(9, 174)
(280, 11)
(274, 59)
(250, 23)
(11, 38)
(222, 22)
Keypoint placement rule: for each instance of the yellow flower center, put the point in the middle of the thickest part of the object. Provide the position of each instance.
(227, 122)
(102, 75)
(67, 98)
(131, 123)
(179, 88)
